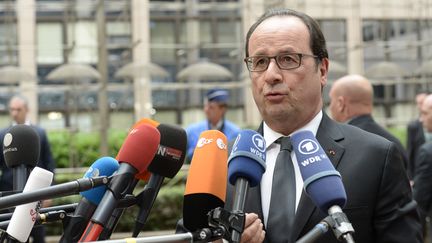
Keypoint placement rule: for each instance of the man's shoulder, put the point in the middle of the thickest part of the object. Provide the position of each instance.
(196, 126)
(4, 130)
(41, 131)
(358, 136)
(373, 127)
(427, 147)
(414, 124)
(232, 125)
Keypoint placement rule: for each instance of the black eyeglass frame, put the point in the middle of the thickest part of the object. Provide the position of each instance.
(248, 60)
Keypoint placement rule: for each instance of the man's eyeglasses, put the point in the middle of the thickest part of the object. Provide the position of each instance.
(285, 61)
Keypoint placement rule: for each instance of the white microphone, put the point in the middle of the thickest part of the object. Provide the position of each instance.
(25, 215)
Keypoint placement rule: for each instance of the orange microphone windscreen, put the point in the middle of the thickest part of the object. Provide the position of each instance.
(207, 179)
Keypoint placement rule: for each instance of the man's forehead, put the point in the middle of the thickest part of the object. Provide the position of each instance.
(288, 31)
(279, 22)
(17, 104)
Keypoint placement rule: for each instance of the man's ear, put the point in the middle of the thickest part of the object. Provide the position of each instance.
(323, 69)
(341, 101)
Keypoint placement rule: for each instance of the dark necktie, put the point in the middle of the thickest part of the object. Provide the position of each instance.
(282, 204)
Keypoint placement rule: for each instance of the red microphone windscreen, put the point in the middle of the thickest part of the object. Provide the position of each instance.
(145, 175)
(207, 179)
(139, 147)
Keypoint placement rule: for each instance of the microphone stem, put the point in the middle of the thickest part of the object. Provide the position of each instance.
(342, 227)
(241, 189)
(348, 238)
(59, 190)
(313, 235)
(20, 176)
(147, 200)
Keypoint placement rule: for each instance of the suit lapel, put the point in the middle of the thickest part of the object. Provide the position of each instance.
(328, 136)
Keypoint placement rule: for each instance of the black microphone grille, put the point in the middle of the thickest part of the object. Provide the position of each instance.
(171, 152)
(21, 145)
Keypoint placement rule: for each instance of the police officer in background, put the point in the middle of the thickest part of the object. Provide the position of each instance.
(215, 107)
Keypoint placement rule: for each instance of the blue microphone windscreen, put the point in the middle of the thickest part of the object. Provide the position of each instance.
(322, 182)
(247, 158)
(105, 166)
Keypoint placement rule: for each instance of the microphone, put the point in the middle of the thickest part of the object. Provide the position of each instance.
(137, 151)
(322, 182)
(166, 163)
(58, 190)
(24, 216)
(21, 147)
(144, 176)
(76, 224)
(206, 183)
(246, 166)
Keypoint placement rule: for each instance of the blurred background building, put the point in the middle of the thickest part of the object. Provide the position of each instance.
(94, 64)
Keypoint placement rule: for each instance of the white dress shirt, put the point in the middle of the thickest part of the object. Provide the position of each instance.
(272, 151)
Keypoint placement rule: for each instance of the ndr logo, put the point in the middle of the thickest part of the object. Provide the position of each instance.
(308, 146)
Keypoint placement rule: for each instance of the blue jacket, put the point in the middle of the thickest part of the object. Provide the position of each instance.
(194, 131)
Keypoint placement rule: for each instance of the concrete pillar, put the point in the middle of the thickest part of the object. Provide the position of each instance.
(26, 23)
(193, 39)
(355, 39)
(251, 10)
(103, 70)
(143, 104)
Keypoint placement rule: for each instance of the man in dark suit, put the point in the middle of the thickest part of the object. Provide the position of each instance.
(422, 188)
(18, 109)
(288, 63)
(351, 101)
(415, 137)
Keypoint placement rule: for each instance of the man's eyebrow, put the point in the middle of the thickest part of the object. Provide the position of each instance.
(283, 51)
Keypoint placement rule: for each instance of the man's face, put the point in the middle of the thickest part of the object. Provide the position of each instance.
(18, 111)
(426, 116)
(419, 100)
(286, 96)
(214, 112)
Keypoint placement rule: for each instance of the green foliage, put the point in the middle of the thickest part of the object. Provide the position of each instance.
(400, 133)
(81, 149)
(60, 147)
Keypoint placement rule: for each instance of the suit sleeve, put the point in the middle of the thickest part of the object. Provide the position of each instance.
(422, 181)
(396, 217)
(409, 141)
(46, 158)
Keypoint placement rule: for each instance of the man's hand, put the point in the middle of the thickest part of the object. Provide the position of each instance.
(253, 231)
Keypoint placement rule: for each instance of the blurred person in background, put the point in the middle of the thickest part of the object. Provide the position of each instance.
(422, 188)
(18, 110)
(215, 108)
(415, 136)
(351, 101)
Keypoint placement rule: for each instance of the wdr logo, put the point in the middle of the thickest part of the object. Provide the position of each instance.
(259, 142)
(308, 146)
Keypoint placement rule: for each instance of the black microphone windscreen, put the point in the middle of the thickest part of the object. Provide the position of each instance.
(171, 152)
(21, 145)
